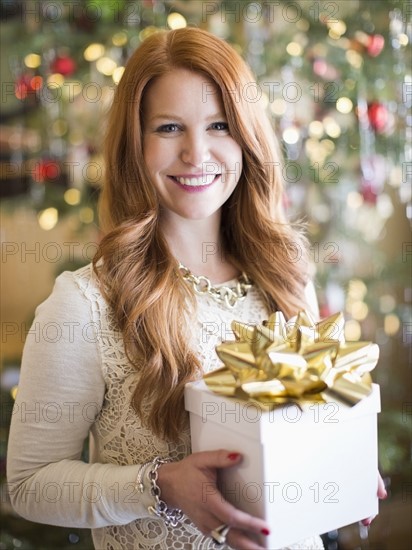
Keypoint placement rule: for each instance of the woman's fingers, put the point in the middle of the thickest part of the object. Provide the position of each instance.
(239, 540)
(366, 522)
(237, 519)
(242, 525)
(381, 487)
(191, 486)
(382, 494)
(222, 458)
(245, 537)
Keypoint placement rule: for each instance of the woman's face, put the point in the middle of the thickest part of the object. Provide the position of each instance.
(193, 161)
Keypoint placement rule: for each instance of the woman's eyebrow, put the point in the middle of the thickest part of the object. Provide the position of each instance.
(165, 116)
(170, 116)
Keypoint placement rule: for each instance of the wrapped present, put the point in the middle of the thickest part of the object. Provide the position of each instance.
(297, 401)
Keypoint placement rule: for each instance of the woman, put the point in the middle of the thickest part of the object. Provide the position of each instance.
(191, 188)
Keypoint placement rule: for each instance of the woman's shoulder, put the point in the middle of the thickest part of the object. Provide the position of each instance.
(72, 293)
(81, 281)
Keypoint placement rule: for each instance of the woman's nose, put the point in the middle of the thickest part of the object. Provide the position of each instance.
(195, 150)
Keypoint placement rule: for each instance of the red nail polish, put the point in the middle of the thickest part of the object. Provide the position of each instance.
(233, 456)
(265, 532)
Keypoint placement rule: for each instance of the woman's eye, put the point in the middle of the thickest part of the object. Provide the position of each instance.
(168, 128)
(221, 126)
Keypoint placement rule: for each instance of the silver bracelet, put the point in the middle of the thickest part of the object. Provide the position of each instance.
(171, 516)
(138, 485)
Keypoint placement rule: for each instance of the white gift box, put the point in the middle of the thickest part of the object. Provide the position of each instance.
(306, 470)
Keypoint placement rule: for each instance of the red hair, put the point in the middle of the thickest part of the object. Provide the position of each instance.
(139, 274)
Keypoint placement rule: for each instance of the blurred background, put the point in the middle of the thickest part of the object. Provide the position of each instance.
(336, 77)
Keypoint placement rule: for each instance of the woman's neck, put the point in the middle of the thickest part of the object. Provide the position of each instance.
(198, 245)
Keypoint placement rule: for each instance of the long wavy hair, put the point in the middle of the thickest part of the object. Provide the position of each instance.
(139, 277)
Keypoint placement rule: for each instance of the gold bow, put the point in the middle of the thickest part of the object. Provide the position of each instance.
(279, 362)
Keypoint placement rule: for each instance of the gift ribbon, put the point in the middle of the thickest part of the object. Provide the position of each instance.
(278, 362)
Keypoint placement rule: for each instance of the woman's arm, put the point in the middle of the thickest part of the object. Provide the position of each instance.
(60, 394)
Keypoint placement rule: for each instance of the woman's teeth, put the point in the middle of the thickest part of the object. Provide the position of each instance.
(206, 179)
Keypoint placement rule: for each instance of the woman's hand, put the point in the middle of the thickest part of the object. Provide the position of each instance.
(190, 485)
(381, 494)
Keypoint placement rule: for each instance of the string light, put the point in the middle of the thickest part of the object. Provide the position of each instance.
(93, 52)
(359, 310)
(32, 60)
(316, 129)
(278, 107)
(328, 146)
(59, 127)
(119, 39)
(344, 105)
(357, 289)
(48, 218)
(291, 135)
(86, 214)
(338, 25)
(117, 74)
(106, 66)
(145, 33)
(391, 324)
(55, 80)
(354, 200)
(176, 21)
(294, 49)
(72, 91)
(354, 58)
(302, 24)
(352, 330)
(332, 128)
(72, 196)
(336, 29)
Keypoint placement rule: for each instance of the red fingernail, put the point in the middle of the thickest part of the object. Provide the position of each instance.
(233, 456)
(265, 532)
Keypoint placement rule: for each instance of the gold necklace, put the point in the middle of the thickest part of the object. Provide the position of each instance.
(229, 296)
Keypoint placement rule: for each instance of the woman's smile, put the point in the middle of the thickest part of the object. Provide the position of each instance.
(195, 183)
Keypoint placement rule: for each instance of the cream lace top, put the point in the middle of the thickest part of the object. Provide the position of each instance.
(75, 380)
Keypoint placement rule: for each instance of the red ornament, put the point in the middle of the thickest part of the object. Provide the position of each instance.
(324, 311)
(24, 86)
(46, 170)
(378, 116)
(375, 44)
(286, 202)
(64, 65)
(369, 192)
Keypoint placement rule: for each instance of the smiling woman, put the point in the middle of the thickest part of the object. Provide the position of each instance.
(190, 188)
(192, 159)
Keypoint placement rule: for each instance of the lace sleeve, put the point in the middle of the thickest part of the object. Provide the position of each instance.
(60, 395)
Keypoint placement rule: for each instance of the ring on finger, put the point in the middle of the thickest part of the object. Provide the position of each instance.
(220, 533)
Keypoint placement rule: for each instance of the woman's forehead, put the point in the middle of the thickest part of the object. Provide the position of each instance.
(182, 88)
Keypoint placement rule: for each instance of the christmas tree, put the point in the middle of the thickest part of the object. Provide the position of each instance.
(336, 80)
